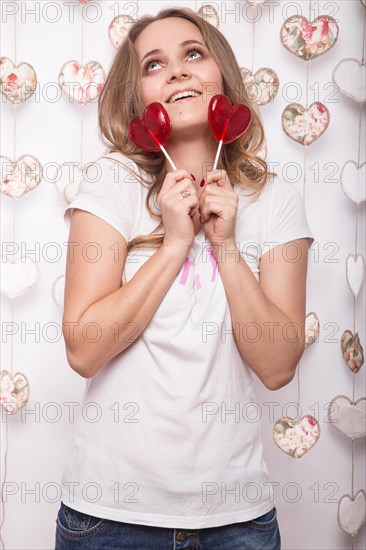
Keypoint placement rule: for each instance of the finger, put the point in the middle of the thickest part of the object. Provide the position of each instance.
(176, 176)
(216, 205)
(219, 177)
(209, 208)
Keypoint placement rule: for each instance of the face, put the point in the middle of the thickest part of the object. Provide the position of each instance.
(182, 62)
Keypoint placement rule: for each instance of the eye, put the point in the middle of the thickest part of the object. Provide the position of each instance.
(148, 63)
(195, 50)
(151, 61)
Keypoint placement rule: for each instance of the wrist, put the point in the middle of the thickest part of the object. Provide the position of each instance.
(226, 250)
(175, 250)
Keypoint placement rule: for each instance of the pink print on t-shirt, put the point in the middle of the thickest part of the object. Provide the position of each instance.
(186, 267)
(188, 263)
(214, 264)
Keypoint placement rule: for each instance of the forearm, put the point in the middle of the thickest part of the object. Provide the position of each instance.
(120, 317)
(268, 341)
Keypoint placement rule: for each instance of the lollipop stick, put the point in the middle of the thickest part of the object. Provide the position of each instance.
(162, 148)
(168, 157)
(220, 144)
(217, 155)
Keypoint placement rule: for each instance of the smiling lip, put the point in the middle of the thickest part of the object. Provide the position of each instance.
(183, 100)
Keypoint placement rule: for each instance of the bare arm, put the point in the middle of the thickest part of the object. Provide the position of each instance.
(268, 317)
(93, 293)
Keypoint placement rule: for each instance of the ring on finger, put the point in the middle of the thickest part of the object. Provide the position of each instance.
(186, 193)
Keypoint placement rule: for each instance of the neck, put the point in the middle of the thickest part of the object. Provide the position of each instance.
(194, 155)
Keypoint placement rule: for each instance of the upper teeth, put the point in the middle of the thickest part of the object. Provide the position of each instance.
(188, 93)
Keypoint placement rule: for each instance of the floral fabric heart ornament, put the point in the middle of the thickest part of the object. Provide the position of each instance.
(14, 391)
(352, 512)
(118, 29)
(311, 329)
(305, 125)
(309, 40)
(262, 86)
(21, 176)
(347, 416)
(353, 181)
(352, 350)
(227, 122)
(151, 131)
(18, 277)
(355, 271)
(209, 14)
(81, 84)
(350, 77)
(17, 83)
(296, 438)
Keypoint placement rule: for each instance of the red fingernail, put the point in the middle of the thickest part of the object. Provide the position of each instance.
(193, 177)
(201, 221)
(202, 182)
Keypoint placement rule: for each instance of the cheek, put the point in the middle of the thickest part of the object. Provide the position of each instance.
(148, 90)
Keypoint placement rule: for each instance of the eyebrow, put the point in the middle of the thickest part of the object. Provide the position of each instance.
(181, 44)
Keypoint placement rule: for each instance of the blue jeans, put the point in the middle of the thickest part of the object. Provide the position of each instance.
(76, 530)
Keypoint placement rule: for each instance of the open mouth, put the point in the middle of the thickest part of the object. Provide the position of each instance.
(185, 98)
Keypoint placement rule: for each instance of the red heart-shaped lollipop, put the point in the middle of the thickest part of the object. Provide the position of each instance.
(152, 129)
(226, 121)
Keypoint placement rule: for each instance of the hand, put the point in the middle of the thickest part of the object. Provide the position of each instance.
(219, 205)
(177, 211)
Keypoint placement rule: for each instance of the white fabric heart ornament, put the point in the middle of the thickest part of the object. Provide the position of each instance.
(68, 184)
(352, 512)
(21, 176)
(311, 329)
(350, 77)
(58, 290)
(353, 181)
(18, 277)
(348, 417)
(355, 271)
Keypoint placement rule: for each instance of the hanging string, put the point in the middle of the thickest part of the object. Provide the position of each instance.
(304, 197)
(3, 481)
(253, 41)
(83, 91)
(356, 239)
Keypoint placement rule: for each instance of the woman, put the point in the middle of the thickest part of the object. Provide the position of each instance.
(167, 450)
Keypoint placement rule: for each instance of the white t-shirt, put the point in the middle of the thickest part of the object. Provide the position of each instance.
(170, 431)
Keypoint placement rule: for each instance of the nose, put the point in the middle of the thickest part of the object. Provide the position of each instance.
(178, 70)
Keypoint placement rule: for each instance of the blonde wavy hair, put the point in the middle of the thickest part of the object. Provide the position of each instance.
(120, 101)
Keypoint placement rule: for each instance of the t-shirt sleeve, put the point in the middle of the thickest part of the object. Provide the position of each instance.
(105, 191)
(287, 216)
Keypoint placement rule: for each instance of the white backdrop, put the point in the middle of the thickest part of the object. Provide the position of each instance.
(307, 490)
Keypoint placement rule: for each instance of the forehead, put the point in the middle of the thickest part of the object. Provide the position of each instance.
(165, 33)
